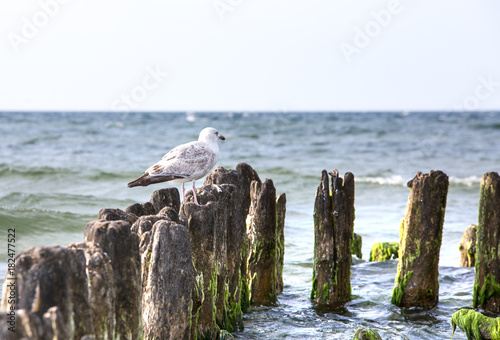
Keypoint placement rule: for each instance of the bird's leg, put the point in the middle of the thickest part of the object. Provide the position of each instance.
(183, 193)
(194, 194)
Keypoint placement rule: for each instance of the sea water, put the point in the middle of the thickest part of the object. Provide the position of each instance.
(57, 170)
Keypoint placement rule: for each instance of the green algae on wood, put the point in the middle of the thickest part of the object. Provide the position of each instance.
(356, 244)
(486, 293)
(383, 251)
(399, 288)
(475, 325)
(366, 334)
(416, 283)
(203, 238)
(262, 263)
(333, 233)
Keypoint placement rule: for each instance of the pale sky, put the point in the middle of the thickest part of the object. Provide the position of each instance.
(255, 55)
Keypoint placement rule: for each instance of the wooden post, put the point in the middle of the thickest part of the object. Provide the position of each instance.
(357, 245)
(51, 276)
(333, 232)
(467, 247)
(487, 282)
(416, 283)
(262, 264)
(202, 233)
(168, 280)
(122, 246)
(280, 239)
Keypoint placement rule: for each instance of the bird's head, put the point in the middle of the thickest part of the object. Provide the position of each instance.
(210, 134)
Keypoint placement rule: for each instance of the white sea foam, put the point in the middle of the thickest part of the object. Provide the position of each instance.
(390, 180)
(399, 180)
(468, 181)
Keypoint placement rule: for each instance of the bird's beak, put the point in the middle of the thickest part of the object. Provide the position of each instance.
(221, 137)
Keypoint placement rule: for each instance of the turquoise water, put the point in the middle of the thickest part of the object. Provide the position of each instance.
(57, 170)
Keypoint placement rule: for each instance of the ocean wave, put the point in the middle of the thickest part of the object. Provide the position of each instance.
(28, 221)
(399, 180)
(467, 181)
(390, 180)
(38, 171)
(59, 203)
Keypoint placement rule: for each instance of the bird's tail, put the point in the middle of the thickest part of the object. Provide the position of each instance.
(146, 180)
(140, 182)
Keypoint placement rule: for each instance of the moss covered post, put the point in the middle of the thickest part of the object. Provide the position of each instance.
(333, 232)
(202, 232)
(416, 283)
(487, 282)
(357, 245)
(261, 227)
(232, 263)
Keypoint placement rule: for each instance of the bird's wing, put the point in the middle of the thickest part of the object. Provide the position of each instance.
(184, 160)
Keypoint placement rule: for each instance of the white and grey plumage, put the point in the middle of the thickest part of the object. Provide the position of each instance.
(185, 163)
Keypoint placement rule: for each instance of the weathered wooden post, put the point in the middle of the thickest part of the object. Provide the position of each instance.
(255, 234)
(213, 228)
(51, 277)
(237, 182)
(280, 239)
(165, 197)
(201, 226)
(262, 263)
(333, 232)
(101, 289)
(122, 247)
(467, 247)
(487, 282)
(357, 245)
(168, 281)
(416, 283)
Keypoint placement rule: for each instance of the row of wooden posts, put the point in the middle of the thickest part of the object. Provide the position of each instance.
(156, 270)
(166, 270)
(416, 282)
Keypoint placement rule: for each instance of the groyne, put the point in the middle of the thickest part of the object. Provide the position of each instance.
(333, 235)
(158, 269)
(166, 270)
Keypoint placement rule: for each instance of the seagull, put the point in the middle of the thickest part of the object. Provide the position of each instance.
(185, 163)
